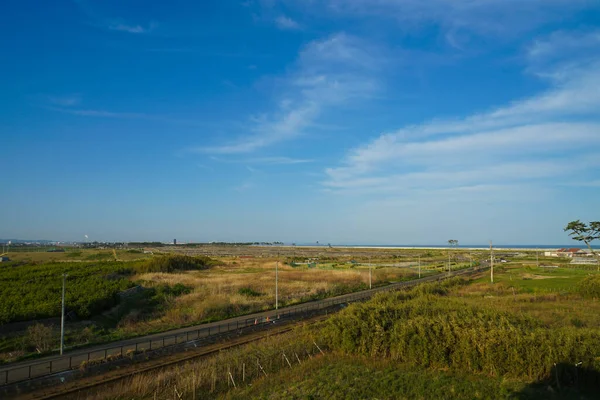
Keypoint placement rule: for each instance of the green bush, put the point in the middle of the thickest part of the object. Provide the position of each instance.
(444, 332)
(172, 263)
(589, 287)
(246, 291)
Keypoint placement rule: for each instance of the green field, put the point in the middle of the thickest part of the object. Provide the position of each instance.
(538, 279)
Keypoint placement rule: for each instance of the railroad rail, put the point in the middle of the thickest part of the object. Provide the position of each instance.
(34, 370)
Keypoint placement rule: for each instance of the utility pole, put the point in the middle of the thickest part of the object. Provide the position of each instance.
(370, 274)
(419, 266)
(277, 283)
(491, 262)
(62, 318)
(537, 257)
(471, 260)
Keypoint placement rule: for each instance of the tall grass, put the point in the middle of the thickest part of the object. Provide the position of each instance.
(445, 332)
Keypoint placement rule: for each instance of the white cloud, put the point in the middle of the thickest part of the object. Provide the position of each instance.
(552, 135)
(101, 113)
(503, 19)
(328, 73)
(65, 101)
(127, 28)
(100, 14)
(482, 15)
(286, 23)
(554, 46)
(279, 160)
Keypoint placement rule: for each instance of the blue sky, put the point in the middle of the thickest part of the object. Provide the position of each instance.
(380, 121)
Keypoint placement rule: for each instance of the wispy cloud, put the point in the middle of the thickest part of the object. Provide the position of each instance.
(102, 15)
(279, 160)
(458, 19)
(102, 113)
(530, 140)
(274, 160)
(65, 100)
(286, 23)
(244, 186)
(328, 73)
(93, 113)
(122, 27)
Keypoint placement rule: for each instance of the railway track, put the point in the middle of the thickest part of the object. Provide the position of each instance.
(86, 383)
(114, 376)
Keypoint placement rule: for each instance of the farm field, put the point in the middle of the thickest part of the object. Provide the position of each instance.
(168, 290)
(458, 339)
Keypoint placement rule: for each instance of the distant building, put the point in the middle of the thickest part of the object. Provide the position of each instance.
(174, 242)
(572, 252)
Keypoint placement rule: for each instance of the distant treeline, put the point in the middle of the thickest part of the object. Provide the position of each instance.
(159, 244)
(234, 244)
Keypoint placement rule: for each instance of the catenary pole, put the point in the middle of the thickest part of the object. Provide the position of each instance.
(62, 318)
(370, 274)
(491, 262)
(277, 283)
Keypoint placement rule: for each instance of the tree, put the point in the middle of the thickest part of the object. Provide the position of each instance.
(585, 233)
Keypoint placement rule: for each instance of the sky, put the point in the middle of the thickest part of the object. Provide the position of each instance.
(345, 122)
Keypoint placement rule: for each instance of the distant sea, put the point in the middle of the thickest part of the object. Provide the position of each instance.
(466, 246)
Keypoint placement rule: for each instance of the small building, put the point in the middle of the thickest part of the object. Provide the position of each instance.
(572, 252)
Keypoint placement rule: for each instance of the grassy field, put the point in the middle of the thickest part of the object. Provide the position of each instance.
(518, 338)
(347, 377)
(30, 288)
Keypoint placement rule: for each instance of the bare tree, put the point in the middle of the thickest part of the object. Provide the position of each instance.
(41, 337)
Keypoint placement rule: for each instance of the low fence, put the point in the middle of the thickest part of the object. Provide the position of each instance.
(69, 362)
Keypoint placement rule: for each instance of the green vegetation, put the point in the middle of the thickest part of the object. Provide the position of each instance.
(532, 279)
(346, 377)
(246, 291)
(439, 331)
(29, 292)
(590, 287)
(456, 339)
(173, 263)
(34, 291)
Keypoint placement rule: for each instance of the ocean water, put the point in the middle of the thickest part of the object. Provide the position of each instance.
(465, 246)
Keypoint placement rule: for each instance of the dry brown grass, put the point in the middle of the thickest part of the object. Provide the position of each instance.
(216, 294)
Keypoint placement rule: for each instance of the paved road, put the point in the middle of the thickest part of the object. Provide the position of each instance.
(25, 370)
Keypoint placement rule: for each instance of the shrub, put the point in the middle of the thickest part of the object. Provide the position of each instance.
(172, 263)
(246, 291)
(443, 332)
(41, 337)
(589, 287)
(34, 291)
